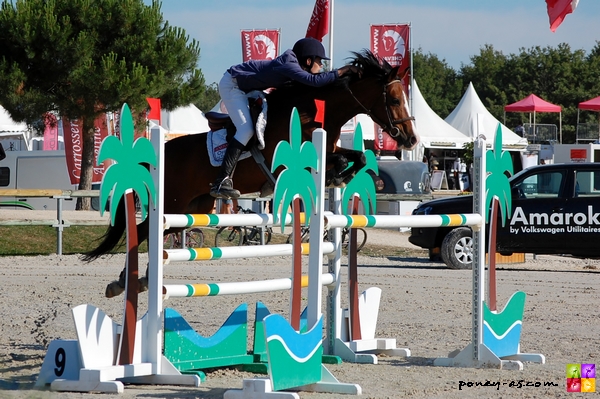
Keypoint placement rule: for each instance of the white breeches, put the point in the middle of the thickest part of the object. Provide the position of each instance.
(236, 103)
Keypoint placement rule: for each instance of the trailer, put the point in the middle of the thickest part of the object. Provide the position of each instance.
(35, 170)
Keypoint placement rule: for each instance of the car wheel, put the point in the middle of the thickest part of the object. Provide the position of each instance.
(457, 249)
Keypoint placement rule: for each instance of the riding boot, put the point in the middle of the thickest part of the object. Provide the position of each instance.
(223, 186)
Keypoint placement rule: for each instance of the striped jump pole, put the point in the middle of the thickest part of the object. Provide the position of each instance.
(254, 251)
(237, 288)
(220, 220)
(395, 221)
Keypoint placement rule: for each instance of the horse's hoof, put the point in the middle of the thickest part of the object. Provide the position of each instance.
(339, 182)
(142, 284)
(114, 289)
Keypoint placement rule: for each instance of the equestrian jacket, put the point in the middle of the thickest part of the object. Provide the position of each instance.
(262, 74)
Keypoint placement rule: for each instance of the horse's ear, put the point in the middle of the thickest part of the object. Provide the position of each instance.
(395, 73)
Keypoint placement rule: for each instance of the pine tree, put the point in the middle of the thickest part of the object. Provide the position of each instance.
(83, 58)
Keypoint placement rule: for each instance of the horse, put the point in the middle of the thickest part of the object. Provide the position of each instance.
(376, 90)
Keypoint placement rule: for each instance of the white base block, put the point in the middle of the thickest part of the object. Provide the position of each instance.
(372, 344)
(342, 350)
(527, 357)
(258, 388)
(169, 375)
(104, 379)
(488, 359)
(87, 386)
(330, 384)
(115, 372)
(366, 350)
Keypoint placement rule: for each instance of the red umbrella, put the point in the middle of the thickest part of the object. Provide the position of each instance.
(590, 105)
(533, 104)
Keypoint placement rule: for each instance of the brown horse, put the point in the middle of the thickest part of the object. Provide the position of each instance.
(376, 91)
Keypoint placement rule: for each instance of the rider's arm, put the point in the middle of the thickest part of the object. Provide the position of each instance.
(292, 70)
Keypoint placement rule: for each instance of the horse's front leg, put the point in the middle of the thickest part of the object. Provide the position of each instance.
(340, 174)
(336, 163)
(116, 287)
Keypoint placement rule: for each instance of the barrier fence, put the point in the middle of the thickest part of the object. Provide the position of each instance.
(59, 223)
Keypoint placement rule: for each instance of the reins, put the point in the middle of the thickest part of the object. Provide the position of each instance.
(390, 128)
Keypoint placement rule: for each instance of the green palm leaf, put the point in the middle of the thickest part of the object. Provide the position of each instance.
(362, 183)
(295, 180)
(128, 171)
(498, 163)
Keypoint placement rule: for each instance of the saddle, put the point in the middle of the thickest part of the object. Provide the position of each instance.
(219, 121)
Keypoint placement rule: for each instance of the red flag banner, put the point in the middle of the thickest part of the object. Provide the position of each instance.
(558, 10)
(50, 133)
(154, 114)
(260, 44)
(319, 20)
(383, 141)
(320, 116)
(391, 42)
(73, 135)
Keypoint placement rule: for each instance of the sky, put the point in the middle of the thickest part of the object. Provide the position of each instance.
(454, 30)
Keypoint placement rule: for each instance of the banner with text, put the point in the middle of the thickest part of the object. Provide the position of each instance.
(392, 43)
(50, 133)
(260, 44)
(73, 136)
(318, 26)
(383, 141)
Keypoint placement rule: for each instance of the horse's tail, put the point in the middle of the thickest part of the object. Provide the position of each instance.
(111, 238)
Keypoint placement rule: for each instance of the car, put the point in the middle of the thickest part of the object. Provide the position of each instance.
(555, 210)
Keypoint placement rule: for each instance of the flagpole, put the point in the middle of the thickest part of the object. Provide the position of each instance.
(331, 35)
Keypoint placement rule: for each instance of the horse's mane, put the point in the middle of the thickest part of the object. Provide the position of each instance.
(371, 67)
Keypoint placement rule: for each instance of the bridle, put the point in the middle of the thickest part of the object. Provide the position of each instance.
(390, 128)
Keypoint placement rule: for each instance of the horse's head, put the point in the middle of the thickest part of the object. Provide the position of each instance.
(400, 125)
(384, 98)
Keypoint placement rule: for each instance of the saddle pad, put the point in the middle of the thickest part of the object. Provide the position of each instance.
(217, 141)
(217, 145)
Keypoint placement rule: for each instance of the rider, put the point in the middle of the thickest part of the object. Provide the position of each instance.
(302, 64)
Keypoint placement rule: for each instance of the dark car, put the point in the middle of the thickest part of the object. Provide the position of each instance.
(555, 210)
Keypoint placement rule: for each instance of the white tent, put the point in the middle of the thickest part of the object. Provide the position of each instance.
(433, 131)
(184, 120)
(13, 135)
(8, 125)
(367, 126)
(464, 119)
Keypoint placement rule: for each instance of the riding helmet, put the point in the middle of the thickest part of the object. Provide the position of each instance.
(309, 48)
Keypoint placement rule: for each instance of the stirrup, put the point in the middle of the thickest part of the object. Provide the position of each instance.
(224, 189)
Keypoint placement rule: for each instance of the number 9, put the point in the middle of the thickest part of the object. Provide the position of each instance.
(60, 359)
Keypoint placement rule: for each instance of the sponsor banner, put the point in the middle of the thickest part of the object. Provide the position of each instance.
(554, 223)
(260, 44)
(50, 133)
(391, 42)
(73, 136)
(383, 141)
(319, 20)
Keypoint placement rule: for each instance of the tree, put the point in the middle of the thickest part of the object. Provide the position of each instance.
(83, 58)
(209, 98)
(437, 82)
(486, 72)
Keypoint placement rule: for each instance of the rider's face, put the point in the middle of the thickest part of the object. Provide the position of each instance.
(317, 65)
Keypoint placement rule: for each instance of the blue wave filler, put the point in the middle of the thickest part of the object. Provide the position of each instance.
(301, 348)
(507, 346)
(175, 322)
